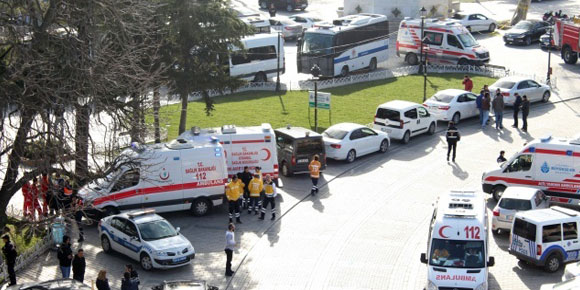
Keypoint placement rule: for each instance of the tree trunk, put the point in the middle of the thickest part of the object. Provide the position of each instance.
(521, 11)
(183, 117)
(83, 114)
(134, 131)
(156, 107)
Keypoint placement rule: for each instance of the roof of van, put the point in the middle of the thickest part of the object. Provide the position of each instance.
(347, 22)
(461, 204)
(549, 142)
(450, 24)
(398, 105)
(519, 192)
(298, 132)
(547, 214)
(261, 36)
(264, 129)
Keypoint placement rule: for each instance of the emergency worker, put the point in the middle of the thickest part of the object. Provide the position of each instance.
(34, 199)
(314, 168)
(269, 197)
(26, 193)
(246, 177)
(256, 186)
(234, 191)
(453, 137)
(44, 187)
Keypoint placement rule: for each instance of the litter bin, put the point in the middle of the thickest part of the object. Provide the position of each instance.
(57, 230)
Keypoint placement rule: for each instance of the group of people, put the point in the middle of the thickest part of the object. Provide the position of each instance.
(252, 192)
(46, 195)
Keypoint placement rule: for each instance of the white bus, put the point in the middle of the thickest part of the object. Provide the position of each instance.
(347, 44)
(259, 60)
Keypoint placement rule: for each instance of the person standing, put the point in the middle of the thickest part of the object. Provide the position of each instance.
(501, 157)
(256, 186)
(44, 186)
(485, 106)
(132, 274)
(128, 283)
(65, 256)
(525, 112)
(498, 106)
(269, 197)
(26, 194)
(314, 168)
(246, 177)
(10, 255)
(79, 265)
(102, 281)
(478, 102)
(467, 83)
(233, 192)
(452, 137)
(35, 199)
(230, 245)
(272, 10)
(77, 206)
(517, 105)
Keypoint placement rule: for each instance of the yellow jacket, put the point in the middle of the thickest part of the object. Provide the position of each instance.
(234, 190)
(314, 168)
(270, 189)
(255, 187)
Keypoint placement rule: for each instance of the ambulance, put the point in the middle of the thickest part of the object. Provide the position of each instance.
(457, 251)
(550, 164)
(253, 146)
(179, 175)
(444, 42)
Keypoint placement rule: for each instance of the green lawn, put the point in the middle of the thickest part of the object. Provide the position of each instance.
(355, 103)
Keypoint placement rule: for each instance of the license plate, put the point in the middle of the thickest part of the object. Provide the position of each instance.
(509, 217)
(302, 160)
(510, 39)
(179, 259)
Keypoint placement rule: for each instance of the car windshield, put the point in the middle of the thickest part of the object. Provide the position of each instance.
(444, 98)
(515, 204)
(467, 40)
(317, 44)
(504, 84)
(335, 133)
(156, 230)
(525, 25)
(458, 16)
(457, 254)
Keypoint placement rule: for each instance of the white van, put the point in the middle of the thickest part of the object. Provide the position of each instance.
(260, 60)
(546, 237)
(550, 164)
(457, 252)
(403, 120)
(253, 146)
(445, 42)
(180, 175)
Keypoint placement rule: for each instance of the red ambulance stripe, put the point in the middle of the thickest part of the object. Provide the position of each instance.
(408, 45)
(247, 141)
(572, 180)
(552, 152)
(563, 186)
(561, 189)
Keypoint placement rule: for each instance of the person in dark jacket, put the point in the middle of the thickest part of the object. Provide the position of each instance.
(478, 102)
(453, 137)
(501, 158)
(133, 274)
(79, 265)
(102, 281)
(272, 10)
(517, 105)
(525, 112)
(128, 283)
(498, 106)
(485, 107)
(10, 255)
(65, 256)
(246, 177)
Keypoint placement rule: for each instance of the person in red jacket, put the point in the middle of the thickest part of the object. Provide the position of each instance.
(467, 83)
(34, 199)
(44, 186)
(27, 199)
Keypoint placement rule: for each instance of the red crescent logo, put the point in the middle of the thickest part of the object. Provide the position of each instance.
(268, 154)
(164, 175)
(441, 232)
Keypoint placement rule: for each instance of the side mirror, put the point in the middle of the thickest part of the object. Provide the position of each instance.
(134, 238)
(423, 258)
(491, 262)
(178, 229)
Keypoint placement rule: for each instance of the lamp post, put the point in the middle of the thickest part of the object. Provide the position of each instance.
(315, 71)
(423, 66)
(548, 81)
(278, 69)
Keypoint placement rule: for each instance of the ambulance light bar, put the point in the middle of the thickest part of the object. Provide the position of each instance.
(546, 139)
(214, 139)
(229, 129)
(266, 127)
(195, 130)
(141, 213)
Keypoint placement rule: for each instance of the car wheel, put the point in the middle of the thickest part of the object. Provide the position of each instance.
(412, 59)
(351, 156)
(263, 5)
(546, 96)
(463, 61)
(498, 192)
(431, 129)
(106, 244)
(553, 263)
(289, 8)
(200, 207)
(569, 56)
(456, 118)
(285, 170)
(146, 262)
(384, 146)
(373, 64)
(344, 71)
(406, 137)
(528, 40)
(260, 78)
(491, 27)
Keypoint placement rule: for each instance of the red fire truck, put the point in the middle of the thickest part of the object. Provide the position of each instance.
(567, 36)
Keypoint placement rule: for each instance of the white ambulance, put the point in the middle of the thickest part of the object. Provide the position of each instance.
(180, 175)
(444, 42)
(550, 164)
(457, 252)
(253, 146)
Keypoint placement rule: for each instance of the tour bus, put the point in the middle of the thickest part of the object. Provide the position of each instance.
(347, 44)
(260, 60)
(457, 251)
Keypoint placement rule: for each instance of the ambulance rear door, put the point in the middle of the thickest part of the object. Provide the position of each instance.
(252, 150)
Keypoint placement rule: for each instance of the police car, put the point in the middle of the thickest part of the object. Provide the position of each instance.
(146, 237)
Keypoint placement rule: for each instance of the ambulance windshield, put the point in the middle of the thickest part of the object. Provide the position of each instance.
(467, 40)
(457, 254)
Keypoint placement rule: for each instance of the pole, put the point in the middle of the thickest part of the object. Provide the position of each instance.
(315, 105)
(423, 68)
(424, 82)
(549, 58)
(278, 70)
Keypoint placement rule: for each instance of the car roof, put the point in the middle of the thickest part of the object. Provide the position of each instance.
(519, 192)
(399, 105)
(346, 126)
(513, 79)
(453, 92)
(298, 132)
(546, 215)
(140, 216)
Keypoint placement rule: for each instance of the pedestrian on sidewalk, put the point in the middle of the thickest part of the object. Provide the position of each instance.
(79, 266)
(314, 168)
(467, 83)
(78, 211)
(478, 102)
(233, 194)
(246, 177)
(525, 112)
(517, 105)
(485, 106)
(133, 274)
(230, 246)
(452, 137)
(269, 197)
(128, 283)
(501, 157)
(65, 256)
(10, 256)
(102, 281)
(256, 186)
(498, 106)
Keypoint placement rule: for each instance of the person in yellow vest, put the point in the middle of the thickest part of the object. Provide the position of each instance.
(269, 197)
(314, 168)
(234, 191)
(256, 186)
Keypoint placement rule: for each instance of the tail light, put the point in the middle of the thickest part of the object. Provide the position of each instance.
(539, 250)
(293, 161)
(276, 168)
(335, 146)
(505, 94)
(444, 108)
(375, 119)
(401, 124)
(496, 213)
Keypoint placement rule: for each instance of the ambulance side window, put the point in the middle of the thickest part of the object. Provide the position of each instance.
(128, 179)
(552, 233)
(433, 38)
(521, 163)
(452, 41)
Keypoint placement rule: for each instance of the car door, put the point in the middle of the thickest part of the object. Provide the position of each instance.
(523, 88)
(540, 200)
(535, 91)
(370, 142)
(413, 124)
(473, 22)
(459, 104)
(118, 236)
(520, 169)
(482, 22)
(552, 236)
(356, 142)
(538, 30)
(453, 43)
(424, 119)
(471, 105)
(571, 243)
(126, 190)
(133, 242)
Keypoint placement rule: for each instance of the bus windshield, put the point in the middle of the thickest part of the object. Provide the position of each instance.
(457, 254)
(467, 40)
(317, 44)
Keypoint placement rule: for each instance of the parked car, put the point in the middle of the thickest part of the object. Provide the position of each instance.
(525, 32)
(296, 147)
(287, 26)
(306, 21)
(523, 86)
(346, 141)
(289, 5)
(184, 285)
(513, 200)
(403, 120)
(475, 22)
(545, 42)
(146, 237)
(58, 284)
(452, 105)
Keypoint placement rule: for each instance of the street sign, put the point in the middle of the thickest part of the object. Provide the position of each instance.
(323, 100)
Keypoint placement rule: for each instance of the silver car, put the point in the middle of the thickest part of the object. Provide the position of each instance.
(288, 28)
(523, 86)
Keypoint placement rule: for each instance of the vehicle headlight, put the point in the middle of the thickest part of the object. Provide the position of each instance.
(482, 286)
(160, 253)
(521, 35)
(431, 285)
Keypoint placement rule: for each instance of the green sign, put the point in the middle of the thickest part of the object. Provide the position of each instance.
(323, 100)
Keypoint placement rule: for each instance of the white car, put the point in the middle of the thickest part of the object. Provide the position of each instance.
(346, 141)
(286, 26)
(146, 237)
(403, 120)
(452, 105)
(306, 21)
(523, 86)
(514, 199)
(475, 22)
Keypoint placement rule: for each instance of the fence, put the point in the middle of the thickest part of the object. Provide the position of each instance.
(28, 256)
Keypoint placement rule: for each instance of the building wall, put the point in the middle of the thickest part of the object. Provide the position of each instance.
(408, 8)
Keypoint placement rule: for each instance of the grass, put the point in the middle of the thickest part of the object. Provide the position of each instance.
(22, 237)
(355, 103)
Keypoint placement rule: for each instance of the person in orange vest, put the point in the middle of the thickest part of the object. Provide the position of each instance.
(269, 197)
(27, 199)
(34, 202)
(314, 168)
(234, 191)
(44, 186)
(255, 187)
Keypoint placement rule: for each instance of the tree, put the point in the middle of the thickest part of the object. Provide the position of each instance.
(521, 11)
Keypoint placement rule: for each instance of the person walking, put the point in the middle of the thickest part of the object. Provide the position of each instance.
(10, 256)
(246, 177)
(270, 194)
(452, 137)
(314, 168)
(128, 283)
(256, 186)
(79, 266)
(517, 105)
(65, 256)
(467, 83)
(501, 157)
(478, 102)
(485, 106)
(234, 191)
(525, 112)
(272, 10)
(102, 281)
(498, 106)
(78, 212)
(230, 246)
